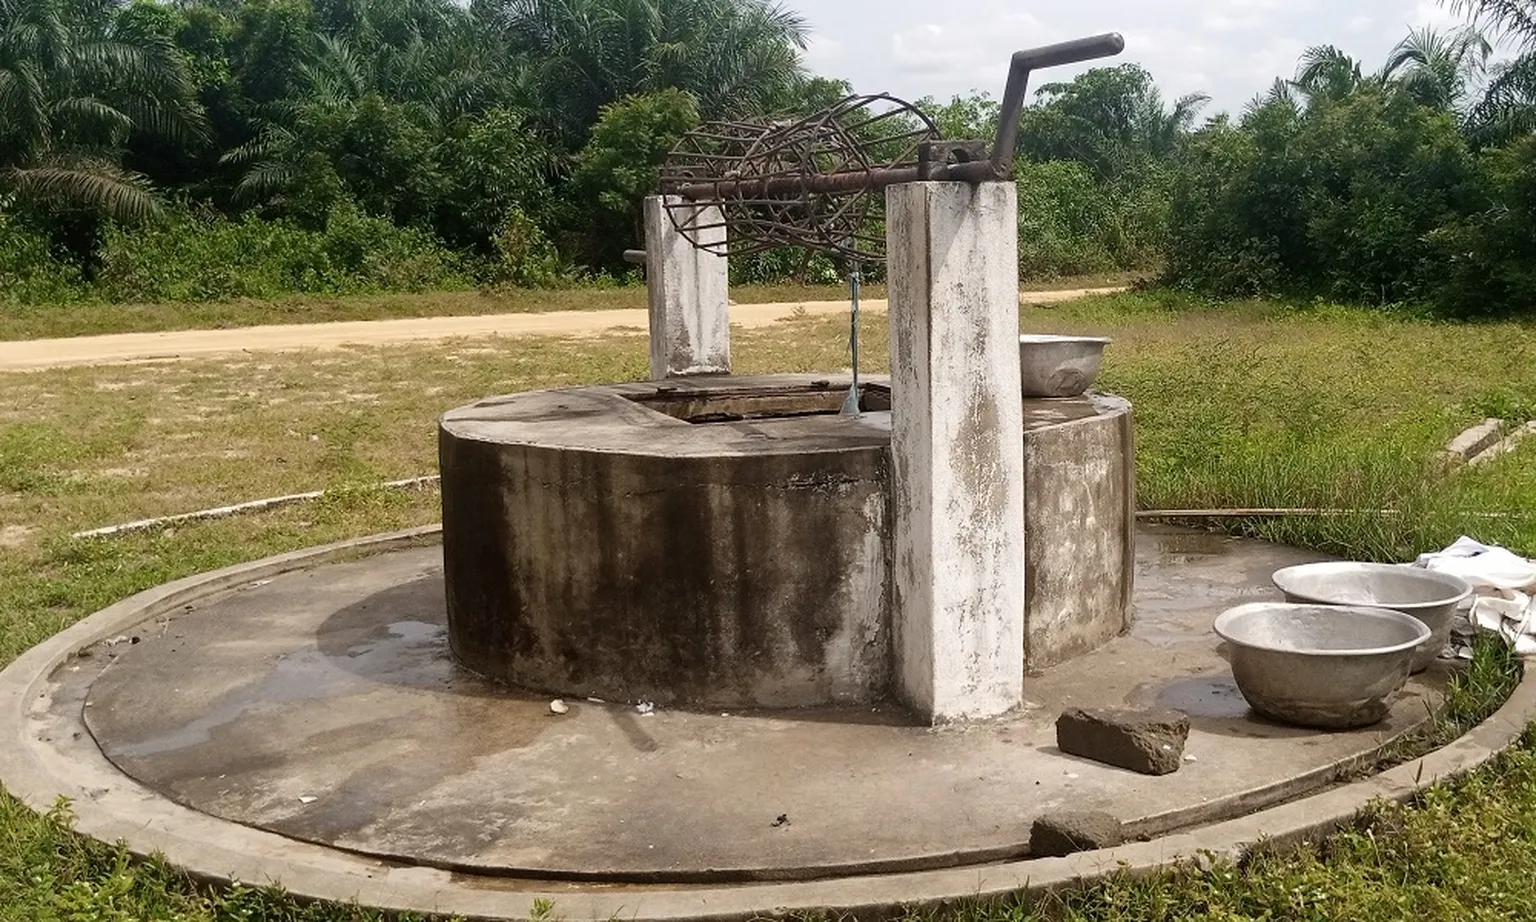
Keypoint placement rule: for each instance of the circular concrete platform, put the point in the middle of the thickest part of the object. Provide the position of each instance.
(322, 705)
(308, 694)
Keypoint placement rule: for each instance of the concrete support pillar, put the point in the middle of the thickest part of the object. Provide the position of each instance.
(957, 445)
(689, 295)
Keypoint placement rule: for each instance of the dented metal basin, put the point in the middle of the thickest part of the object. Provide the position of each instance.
(1324, 666)
(1059, 366)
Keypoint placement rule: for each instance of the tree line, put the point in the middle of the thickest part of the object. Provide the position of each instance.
(1414, 183)
(203, 149)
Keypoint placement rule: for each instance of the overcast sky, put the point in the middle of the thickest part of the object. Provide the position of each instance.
(1228, 49)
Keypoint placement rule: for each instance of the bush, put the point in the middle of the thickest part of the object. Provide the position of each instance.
(1488, 259)
(787, 263)
(618, 168)
(29, 273)
(1072, 224)
(1341, 200)
(525, 257)
(193, 259)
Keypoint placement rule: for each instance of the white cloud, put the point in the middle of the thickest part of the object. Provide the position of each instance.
(1230, 50)
(825, 54)
(928, 50)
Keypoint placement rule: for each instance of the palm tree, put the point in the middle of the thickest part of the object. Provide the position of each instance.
(1112, 119)
(1513, 18)
(74, 88)
(1325, 72)
(1161, 129)
(1439, 69)
(1280, 93)
(1507, 108)
(425, 62)
(735, 56)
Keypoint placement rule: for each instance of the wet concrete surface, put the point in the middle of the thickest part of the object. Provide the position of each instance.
(323, 705)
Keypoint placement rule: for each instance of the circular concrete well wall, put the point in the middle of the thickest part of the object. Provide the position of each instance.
(722, 542)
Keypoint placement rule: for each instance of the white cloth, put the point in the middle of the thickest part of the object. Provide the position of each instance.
(1504, 584)
(1484, 566)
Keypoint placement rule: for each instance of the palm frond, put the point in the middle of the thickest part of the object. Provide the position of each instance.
(1325, 64)
(23, 102)
(1515, 19)
(1507, 108)
(119, 194)
(86, 117)
(265, 180)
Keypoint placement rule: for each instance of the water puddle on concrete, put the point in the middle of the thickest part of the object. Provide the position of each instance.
(1205, 696)
(302, 675)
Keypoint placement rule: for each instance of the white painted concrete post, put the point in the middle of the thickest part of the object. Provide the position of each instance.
(957, 444)
(689, 296)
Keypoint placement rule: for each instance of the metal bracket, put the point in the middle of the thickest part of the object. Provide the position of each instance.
(934, 158)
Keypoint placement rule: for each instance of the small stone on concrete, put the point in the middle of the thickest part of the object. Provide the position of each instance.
(1150, 742)
(559, 707)
(1058, 834)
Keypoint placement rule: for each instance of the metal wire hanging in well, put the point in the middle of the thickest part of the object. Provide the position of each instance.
(744, 187)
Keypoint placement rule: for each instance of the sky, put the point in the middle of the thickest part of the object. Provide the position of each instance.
(1227, 49)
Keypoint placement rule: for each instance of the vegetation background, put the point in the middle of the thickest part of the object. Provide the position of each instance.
(205, 150)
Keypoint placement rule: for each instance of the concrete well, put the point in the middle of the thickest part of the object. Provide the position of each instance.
(725, 542)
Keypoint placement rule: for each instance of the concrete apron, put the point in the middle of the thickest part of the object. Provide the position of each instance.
(50, 753)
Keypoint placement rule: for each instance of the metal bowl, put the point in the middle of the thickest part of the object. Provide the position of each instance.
(1427, 595)
(1327, 666)
(1059, 366)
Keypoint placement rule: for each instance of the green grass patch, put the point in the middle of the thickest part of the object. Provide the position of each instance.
(1236, 405)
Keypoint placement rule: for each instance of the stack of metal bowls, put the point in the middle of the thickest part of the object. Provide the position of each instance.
(1429, 596)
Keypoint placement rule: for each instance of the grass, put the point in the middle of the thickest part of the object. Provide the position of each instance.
(1236, 405)
(87, 319)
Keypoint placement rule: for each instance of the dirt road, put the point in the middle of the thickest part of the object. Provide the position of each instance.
(186, 344)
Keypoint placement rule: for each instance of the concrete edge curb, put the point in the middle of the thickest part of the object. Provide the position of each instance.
(40, 761)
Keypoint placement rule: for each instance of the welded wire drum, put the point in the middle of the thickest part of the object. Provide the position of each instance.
(803, 183)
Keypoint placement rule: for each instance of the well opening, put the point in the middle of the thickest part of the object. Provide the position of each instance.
(760, 404)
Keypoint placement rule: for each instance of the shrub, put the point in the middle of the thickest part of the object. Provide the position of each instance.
(186, 258)
(1488, 259)
(1341, 200)
(29, 273)
(525, 257)
(1070, 223)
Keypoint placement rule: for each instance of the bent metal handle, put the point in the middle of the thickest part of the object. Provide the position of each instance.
(1081, 49)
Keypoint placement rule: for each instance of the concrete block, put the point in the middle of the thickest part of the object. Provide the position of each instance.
(1505, 445)
(1150, 742)
(1476, 439)
(957, 448)
(1056, 835)
(689, 295)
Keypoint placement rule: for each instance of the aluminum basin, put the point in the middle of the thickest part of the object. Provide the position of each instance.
(1059, 366)
(1327, 666)
(1429, 596)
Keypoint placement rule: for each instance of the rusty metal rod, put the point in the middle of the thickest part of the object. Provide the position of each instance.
(789, 187)
(1073, 52)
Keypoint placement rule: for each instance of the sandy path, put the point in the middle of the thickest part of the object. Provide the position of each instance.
(185, 344)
